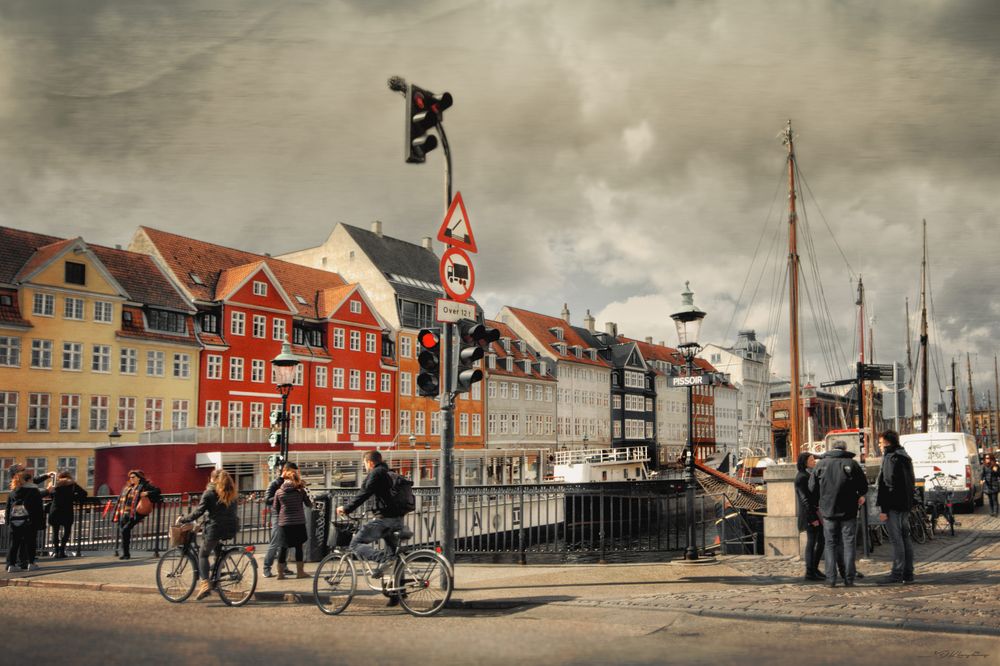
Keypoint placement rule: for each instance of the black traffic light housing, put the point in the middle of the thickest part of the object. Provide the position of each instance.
(473, 339)
(429, 359)
(424, 110)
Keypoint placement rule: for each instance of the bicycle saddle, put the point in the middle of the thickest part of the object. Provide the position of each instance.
(403, 534)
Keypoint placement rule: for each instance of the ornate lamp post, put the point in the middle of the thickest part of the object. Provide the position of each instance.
(688, 321)
(113, 435)
(285, 367)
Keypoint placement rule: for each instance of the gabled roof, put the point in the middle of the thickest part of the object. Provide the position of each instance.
(42, 256)
(185, 257)
(627, 354)
(16, 248)
(539, 325)
(395, 256)
(651, 352)
(515, 353)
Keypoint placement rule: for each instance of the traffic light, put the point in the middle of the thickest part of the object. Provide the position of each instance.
(473, 339)
(423, 111)
(429, 359)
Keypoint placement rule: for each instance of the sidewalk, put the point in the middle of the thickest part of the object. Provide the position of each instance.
(957, 588)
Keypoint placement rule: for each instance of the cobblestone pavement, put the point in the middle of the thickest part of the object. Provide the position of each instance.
(957, 589)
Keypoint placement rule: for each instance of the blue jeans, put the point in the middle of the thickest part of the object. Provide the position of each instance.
(898, 526)
(841, 536)
(370, 533)
(273, 545)
(993, 503)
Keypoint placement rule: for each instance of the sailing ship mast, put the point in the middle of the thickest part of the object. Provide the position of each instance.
(794, 402)
(862, 408)
(954, 399)
(996, 381)
(923, 336)
(909, 366)
(972, 397)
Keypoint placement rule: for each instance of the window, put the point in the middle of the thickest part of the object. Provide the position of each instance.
(435, 423)
(171, 322)
(69, 412)
(504, 427)
(319, 416)
(503, 389)
(209, 323)
(477, 425)
(295, 415)
(405, 344)
(355, 307)
(515, 423)
(548, 393)
(515, 392)
(90, 471)
(354, 421)
(321, 373)
(355, 380)
(371, 344)
(128, 361)
(238, 323)
(259, 288)
(278, 329)
(41, 353)
(235, 419)
(8, 411)
(67, 464)
(126, 414)
(155, 361)
(419, 422)
(75, 274)
(491, 389)
(10, 351)
(337, 419)
(213, 367)
(153, 420)
(104, 311)
(355, 340)
(73, 308)
(370, 379)
(404, 383)
(44, 305)
(370, 421)
(477, 391)
(236, 369)
(416, 315)
(386, 422)
(463, 424)
(386, 383)
(491, 424)
(99, 406)
(36, 465)
(100, 360)
(182, 366)
(257, 367)
(259, 326)
(72, 356)
(179, 414)
(338, 338)
(528, 392)
(299, 375)
(338, 378)
(213, 408)
(256, 415)
(404, 422)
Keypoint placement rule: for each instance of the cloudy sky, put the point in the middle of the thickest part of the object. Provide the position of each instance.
(607, 151)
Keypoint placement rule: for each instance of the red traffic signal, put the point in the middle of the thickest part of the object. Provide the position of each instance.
(429, 360)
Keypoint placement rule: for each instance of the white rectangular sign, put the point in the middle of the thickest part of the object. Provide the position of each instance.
(452, 311)
(697, 380)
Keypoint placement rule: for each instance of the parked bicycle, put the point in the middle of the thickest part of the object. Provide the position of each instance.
(233, 576)
(423, 579)
(939, 503)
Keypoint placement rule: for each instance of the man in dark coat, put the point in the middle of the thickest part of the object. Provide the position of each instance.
(896, 484)
(842, 487)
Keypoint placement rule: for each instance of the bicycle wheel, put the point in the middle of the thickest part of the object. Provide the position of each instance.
(334, 583)
(419, 577)
(176, 574)
(918, 530)
(236, 577)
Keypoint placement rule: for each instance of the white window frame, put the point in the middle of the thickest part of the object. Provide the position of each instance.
(237, 323)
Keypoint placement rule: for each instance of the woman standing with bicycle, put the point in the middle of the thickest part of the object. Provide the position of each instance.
(991, 482)
(289, 503)
(219, 502)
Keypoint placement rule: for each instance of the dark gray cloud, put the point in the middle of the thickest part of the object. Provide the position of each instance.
(607, 151)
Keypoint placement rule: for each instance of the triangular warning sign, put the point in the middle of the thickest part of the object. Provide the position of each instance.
(456, 230)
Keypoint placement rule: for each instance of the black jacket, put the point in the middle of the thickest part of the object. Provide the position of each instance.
(840, 481)
(222, 522)
(32, 499)
(808, 500)
(64, 494)
(379, 484)
(895, 481)
(991, 479)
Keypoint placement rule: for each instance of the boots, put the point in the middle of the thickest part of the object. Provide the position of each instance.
(203, 590)
(281, 571)
(299, 570)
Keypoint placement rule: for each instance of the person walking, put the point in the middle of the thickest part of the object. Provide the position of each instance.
(842, 486)
(275, 544)
(289, 506)
(64, 492)
(808, 513)
(991, 482)
(896, 485)
(24, 515)
(131, 509)
(222, 522)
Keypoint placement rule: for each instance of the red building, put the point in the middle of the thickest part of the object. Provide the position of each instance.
(344, 395)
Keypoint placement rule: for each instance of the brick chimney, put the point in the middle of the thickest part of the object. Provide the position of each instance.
(565, 312)
(589, 322)
(611, 328)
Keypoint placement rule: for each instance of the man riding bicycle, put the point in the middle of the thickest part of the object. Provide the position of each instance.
(388, 518)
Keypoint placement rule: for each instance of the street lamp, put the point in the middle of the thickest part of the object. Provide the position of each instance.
(413, 441)
(285, 368)
(688, 321)
(113, 435)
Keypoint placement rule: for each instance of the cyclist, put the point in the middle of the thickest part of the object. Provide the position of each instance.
(895, 499)
(219, 502)
(388, 517)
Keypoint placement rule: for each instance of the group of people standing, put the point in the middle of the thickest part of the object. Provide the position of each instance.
(26, 514)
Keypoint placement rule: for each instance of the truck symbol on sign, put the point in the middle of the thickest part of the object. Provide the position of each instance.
(458, 273)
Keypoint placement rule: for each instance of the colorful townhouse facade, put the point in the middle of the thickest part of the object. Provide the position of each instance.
(94, 341)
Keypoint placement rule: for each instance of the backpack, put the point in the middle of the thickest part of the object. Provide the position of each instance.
(19, 516)
(401, 498)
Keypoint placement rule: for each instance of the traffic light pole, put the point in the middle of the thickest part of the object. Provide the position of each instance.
(449, 353)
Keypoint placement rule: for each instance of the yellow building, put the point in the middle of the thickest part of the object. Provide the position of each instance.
(92, 340)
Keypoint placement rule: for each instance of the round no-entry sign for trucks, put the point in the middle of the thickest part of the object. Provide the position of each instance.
(457, 275)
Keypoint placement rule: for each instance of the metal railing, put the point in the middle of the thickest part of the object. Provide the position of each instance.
(564, 522)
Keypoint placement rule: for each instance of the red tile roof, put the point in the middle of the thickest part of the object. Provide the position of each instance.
(184, 256)
(331, 298)
(515, 353)
(652, 352)
(539, 326)
(16, 248)
(43, 254)
(231, 278)
(11, 314)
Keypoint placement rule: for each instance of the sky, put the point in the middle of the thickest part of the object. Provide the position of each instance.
(607, 152)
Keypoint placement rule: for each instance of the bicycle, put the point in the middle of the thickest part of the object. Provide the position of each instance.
(233, 575)
(423, 579)
(939, 501)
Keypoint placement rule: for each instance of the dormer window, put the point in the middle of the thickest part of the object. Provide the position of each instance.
(355, 307)
(527, 366)
(162, 320)
(593, 354)
(506, 344)
(493, 361)
(578, 351)
(560, 347)
(209, 323)
(510, 363)
(523, 346)
(543, 368)
(259, 288)
(557, 331)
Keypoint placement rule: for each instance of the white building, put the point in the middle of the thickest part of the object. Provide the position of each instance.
(748, 365)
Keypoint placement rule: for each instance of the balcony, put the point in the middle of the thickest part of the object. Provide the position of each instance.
(238, 436)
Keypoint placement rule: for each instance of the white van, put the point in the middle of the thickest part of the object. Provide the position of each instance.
(954, 454)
